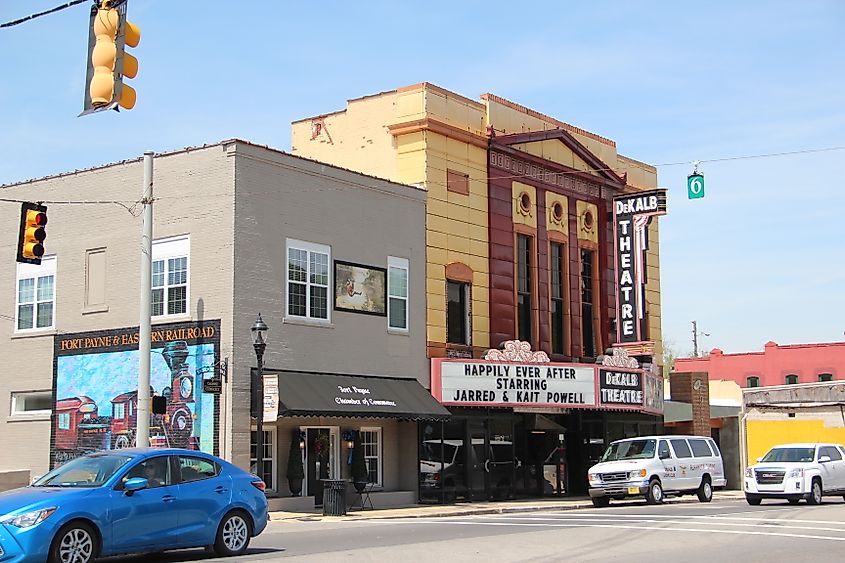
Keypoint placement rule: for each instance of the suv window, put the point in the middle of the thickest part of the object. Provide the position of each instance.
(831, 452)
(196, 468)
(700, 448)
(681, 448)
(663, 451)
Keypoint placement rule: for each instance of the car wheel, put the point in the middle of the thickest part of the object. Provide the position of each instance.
(752, 500)
(793, 500)
(233, 535)
(600, 502)
(75, 543)
(705, 490)
(654, 495)
(815, 493)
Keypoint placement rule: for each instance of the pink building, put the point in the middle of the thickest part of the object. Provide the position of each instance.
(775, 365)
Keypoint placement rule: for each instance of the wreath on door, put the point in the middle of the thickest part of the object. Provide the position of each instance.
(321, 444)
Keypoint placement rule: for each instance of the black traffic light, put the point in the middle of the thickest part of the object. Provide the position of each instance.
(32, 233)
(159, 404)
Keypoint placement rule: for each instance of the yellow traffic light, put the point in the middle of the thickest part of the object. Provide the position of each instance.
(32, 233)
(109, 63)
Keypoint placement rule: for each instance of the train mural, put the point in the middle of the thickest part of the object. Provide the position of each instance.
(96, 383)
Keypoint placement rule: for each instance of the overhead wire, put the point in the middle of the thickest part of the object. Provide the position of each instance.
(39, 14)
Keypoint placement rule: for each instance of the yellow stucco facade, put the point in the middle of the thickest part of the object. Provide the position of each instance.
(428, 136)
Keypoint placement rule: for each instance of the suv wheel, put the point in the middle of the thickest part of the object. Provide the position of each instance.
(815, 493)
(705, 490)
(654, 495)
(753, 500)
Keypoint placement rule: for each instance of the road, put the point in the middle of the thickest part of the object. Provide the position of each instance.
(629, 532)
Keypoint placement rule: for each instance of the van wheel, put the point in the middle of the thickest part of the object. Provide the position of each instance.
(815, 493)
(752, 500)
(654, 495)
(705, 490)
(793, 500)
(600, 502)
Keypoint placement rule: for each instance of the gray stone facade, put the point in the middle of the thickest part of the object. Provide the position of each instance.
(238, 203)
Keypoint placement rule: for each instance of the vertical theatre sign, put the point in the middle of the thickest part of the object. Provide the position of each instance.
(632, 214)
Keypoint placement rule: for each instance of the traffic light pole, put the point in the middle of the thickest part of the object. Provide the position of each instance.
(142, 434)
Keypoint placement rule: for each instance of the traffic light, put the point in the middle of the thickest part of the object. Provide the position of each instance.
(109, 34)
(158, 404)
(32, 233)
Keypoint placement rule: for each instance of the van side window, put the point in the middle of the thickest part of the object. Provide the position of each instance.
(700, 448)
(663, 452)
(714, 447)
(681, 448)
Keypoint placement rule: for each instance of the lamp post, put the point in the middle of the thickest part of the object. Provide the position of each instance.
(260, 344)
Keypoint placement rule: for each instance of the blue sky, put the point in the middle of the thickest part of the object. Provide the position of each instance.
(758, 259)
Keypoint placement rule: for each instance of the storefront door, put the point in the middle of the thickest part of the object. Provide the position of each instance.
(478, 459)
(321, 460)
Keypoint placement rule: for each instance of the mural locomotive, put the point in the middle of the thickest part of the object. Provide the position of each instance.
(96, 385)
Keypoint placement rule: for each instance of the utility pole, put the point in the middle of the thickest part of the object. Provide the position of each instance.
(695, 338)
(142, 434)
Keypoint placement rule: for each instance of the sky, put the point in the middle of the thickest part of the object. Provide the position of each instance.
(759, 258)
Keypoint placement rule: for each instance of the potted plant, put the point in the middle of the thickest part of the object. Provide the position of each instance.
(358, 470)
(295, 473)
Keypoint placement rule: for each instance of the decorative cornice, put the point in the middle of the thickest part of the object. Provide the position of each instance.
(521, 165)
(435, 126)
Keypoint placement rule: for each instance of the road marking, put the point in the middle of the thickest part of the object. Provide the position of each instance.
(708, 517)
(617, 527)
(786, 525)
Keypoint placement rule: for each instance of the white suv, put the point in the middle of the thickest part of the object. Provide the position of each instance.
(796, 471)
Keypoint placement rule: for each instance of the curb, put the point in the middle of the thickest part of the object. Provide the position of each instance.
(414, 513)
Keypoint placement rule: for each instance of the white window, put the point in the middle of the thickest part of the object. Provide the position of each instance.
(170, 276)
(308, 280)
(32, 403)
(268, 473)
(64, 421)
(119, 411)
(36, 296)
(397, 293)
(371, 442)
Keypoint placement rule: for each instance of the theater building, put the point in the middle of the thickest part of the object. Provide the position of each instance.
(542, 244)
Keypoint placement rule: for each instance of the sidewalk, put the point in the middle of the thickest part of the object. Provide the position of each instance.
(501, 507)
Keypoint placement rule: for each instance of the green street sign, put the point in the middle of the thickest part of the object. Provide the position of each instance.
(695, 186)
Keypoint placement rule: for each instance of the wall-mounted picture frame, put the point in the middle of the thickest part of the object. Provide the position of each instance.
(359, 288)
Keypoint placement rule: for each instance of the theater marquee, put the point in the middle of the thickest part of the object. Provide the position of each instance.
(479, 383)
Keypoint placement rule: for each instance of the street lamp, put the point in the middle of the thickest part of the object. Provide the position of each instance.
(260, 344)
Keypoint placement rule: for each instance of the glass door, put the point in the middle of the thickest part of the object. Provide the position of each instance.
(321, 459)
(478, 459)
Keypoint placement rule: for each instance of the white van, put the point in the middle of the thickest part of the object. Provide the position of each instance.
(657, 466)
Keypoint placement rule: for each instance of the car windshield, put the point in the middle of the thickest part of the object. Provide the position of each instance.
(631, 449)
(431, 452)
(88, 471)
(790, 454)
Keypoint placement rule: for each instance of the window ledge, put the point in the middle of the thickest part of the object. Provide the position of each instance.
(399, 331)
(88, 309)
(21, 417)
(161, 319)
(36, 333)
(307, 322)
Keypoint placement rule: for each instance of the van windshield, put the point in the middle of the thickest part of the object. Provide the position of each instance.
(630, 449)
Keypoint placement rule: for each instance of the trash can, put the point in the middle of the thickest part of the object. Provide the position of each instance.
(334, 497)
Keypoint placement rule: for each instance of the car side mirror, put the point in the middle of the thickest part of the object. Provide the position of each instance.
(759, 459)
(824, 459)
(135, 484)
(664, 455)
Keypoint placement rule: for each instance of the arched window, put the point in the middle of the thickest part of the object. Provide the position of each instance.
(752, 381)
(825, 377)
(791, 379)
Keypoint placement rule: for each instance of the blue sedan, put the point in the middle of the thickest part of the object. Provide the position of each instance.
(132, 501)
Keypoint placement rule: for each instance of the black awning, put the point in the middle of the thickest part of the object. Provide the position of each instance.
(322, 394)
